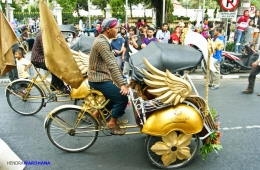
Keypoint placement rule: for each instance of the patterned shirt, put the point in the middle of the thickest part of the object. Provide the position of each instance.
(37, 50)
(102, 63)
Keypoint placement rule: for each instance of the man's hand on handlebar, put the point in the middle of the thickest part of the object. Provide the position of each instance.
(124, 90)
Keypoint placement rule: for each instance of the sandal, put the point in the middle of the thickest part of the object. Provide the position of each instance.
(116, 130)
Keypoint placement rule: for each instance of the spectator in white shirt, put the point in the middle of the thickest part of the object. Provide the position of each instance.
(163, 35)
(181, 23)
(81, 28)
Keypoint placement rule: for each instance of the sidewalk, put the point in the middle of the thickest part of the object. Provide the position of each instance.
(196, 75)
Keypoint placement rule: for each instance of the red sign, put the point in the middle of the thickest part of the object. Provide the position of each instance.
(229, 5)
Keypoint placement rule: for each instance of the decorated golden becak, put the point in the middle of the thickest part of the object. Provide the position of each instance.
(167, 87)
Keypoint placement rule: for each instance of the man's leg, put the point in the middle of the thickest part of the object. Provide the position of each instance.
(119, 102)
(252, 76)
(216, 76)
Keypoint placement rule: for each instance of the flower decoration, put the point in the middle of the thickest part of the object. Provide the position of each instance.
(173, 147)
(212, 141)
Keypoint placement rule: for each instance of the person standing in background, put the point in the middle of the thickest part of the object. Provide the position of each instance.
(87, 24)
(249, 32)
(163, 35)
(175, 37)
(256, 26)
(217, 56)
(242, 23)
(81, 28)
(228, 31)
(181, 23)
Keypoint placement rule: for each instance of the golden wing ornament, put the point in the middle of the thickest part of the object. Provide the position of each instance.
(167, 87)
(82, 60)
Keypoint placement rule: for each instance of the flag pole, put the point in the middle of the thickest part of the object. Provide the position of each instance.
(7, 10)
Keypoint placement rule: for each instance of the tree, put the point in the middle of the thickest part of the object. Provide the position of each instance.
(68, 5)
(191, 4)
(256, 3)
(131, 3)
(117, 8)
(101, 4)
(157, 5)
(72, 5)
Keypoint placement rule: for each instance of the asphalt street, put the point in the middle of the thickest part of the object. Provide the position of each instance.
(239, 123)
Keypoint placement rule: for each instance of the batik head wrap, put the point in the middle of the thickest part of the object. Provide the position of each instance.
(108, 23)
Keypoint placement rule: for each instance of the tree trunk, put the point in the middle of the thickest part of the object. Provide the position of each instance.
(131, 13)
(158, 5)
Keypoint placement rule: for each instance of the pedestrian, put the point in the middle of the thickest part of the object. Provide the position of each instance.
(256, 26)
(105, 75)
(118, 44)
(94, 30)
(211, 30)
(65, 22)
(251, 79)
(181, 23)
(175, 37)
(87, 24)
(163, 35)
(22, 64)
(38, 61)
(133, 45)
(228, 31)
(25, 37)
(214, 82)
(249, 32)
(242, 23)
(149, 38)
(81, 28)
(204, 32)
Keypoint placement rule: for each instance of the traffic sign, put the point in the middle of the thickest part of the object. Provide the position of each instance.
(229, 5)
(227, 14)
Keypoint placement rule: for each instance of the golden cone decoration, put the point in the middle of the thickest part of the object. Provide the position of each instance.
(58, 57)
(7, 39)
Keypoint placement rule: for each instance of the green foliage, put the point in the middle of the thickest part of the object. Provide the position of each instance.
(256, 3)
(230, 46)
(117, 9)
(68, 5)
(101, 4)
(212, 143)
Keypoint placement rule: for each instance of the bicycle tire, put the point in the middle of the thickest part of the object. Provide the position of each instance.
(156, 159)
(30, 105)
(71, 141)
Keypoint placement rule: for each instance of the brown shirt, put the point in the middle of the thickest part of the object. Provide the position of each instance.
(37, 50)
(102, 63)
